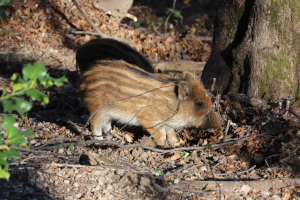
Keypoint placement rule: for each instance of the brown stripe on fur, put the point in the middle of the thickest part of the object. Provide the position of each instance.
(121, 80)
(114, 65)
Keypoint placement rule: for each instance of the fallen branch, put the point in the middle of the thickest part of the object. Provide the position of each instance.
(99, 32)
(234, 187)
(142, 145)
(180, 66)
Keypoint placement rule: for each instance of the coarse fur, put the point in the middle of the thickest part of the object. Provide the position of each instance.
(118, 90)
(109, 49)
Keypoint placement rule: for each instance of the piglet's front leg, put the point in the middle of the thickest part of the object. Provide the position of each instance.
(160, 135)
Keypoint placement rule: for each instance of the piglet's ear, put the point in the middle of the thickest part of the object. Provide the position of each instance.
(184, 90)
(188, 76)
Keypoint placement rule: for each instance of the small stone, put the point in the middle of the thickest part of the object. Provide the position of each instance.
(60, 150)
(40, 186)
(245, 189)
(203, 169)
(144, 181)
(32, 142)
(98, 172)
(276, 197)
(76, 185)
(120, 172)
(144, 156)
(109, 187)
(66, 181)
(78, 195)
(97, 188)
(68, 198)
(69, 153)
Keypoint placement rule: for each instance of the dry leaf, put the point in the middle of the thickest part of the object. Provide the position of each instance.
(128, 138)
(186, 136)
(245, 189)
(175, 156)
(239, 129)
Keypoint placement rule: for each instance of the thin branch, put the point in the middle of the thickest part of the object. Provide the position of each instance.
(103, 35)
(163, 151)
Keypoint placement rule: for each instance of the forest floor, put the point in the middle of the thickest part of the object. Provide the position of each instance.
(254, 155)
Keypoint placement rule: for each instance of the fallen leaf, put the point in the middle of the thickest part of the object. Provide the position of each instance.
(239, 129)
(245, 189)
(128, 138)
(175, 156)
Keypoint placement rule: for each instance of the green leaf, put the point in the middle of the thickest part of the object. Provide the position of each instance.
(209, 147)
(19, 86)
(176, 181)
(14, 77)
(17, 140)
(4, 174)
(184, 154)
(35, 71)
(60, 81)
(71, 146)
(37, 95)
(9, 126)
(28, 133)
(18, 104)
(9, 154)
(3, 162)
(159, 172)
(177, 14)
(4, 2)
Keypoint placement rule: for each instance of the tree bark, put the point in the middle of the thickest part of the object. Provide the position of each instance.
(256, 49)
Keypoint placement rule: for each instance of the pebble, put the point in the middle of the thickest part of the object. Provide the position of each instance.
(276, 197)
(98, 173)
(60, 150)
(66, 181)
(78, 195)
(203, 169)
(32, 142)
(76, 185)
(40, 186)
(144, 156)
(69, 152)
(266, 192)
(109, 187)
(145, 181)
(120, 172)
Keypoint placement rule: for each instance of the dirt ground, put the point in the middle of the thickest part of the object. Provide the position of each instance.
(254, 155)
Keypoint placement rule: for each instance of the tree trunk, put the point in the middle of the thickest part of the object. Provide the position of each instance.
(256, 49)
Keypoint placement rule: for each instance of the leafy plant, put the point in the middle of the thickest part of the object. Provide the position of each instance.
(184, 154)
(159, 172)
(23, 88)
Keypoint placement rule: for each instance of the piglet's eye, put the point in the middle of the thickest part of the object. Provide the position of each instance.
(200, 105)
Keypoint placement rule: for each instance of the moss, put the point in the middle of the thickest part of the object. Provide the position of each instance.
(235, 18)
(278, 8)
(277, 71)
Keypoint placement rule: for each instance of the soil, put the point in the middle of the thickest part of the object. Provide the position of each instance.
(254, 155)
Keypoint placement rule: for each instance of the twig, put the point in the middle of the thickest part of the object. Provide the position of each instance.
(227, 127)
(240, 172)
(212, 88)
(103, 35)
(168, 17)
(163, 151)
